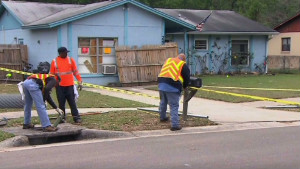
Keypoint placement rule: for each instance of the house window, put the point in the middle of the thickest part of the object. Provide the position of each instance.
(21, 41)
(240, 52)
(93, 53)
(201, 44)
(286, 44)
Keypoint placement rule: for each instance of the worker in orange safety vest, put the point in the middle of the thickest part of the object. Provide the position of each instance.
(37, 89)
(64, 68)
(174, 76)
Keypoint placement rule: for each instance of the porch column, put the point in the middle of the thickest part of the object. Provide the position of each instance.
(267, 51)
(125, 24)
(59, 38)
(70, 39)
(186, 47)
(251, 64)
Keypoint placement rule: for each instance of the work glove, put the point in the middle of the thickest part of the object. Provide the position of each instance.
(80, 85)
(62, 115)
(59, 111)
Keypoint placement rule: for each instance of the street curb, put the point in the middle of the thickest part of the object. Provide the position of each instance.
(85, 134)
(102, 134)
(216, 128)
(90, 134)
(17, 141)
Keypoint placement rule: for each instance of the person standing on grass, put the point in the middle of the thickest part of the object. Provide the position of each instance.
(64, 68)
(37, 89)
(174, 75)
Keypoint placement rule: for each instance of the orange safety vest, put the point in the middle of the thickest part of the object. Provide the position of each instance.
(66, 69)
(41, 76)
(172, 69)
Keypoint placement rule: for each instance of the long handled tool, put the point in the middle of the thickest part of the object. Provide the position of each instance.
(189, 92)
(60, 117)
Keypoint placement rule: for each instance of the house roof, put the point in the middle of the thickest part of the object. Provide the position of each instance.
(220, 21)
(28, 12)
(35, 15)
(287, 21)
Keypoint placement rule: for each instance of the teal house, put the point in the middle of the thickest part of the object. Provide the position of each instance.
(226, 41)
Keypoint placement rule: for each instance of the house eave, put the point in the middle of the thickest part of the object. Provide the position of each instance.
(226, 33)
(44, 26)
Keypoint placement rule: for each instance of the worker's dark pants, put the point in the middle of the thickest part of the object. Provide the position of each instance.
(67, 93)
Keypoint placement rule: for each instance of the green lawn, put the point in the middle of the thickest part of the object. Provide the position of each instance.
(278, 81)
(86, 99)
(121, 121)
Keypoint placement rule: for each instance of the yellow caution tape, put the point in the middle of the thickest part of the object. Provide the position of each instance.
(250, 96)
(147, 95)
(246, 88)
(118, 90)
(15, 71)
(88, 85)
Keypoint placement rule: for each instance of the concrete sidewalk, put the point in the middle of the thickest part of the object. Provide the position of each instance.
(18, 114)
(218, 111)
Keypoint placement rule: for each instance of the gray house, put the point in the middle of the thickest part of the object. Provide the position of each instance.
(228, 42)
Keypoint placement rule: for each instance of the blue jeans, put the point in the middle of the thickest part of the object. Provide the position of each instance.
(33, 93)
(171, 98)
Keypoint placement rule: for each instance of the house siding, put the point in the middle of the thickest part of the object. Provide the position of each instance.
(212, 60)
(42, 44)
(259, 50)
(275, 44)
(8, 22)
(144, 28)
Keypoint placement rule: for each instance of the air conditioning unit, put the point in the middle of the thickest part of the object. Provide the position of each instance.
(109, 69)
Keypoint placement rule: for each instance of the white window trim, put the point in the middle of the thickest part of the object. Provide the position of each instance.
(201, 39)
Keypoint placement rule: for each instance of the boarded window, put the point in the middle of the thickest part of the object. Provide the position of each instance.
(94, 53)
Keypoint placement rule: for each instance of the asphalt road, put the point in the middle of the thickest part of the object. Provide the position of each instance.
(273, 148)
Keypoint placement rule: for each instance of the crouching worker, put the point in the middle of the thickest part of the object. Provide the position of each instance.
(37, 88)
(174, 75)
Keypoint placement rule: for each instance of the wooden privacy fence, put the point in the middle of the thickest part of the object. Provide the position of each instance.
(13, 57)
(142, 65)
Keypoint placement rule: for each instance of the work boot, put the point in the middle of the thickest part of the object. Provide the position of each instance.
(28, 126)
(78, 121)
(165, 119)
(50, 129)
(176, 128)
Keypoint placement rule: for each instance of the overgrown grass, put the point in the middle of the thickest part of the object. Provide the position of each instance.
(122, 121)
(86, 100)
(5, 135)
(278, 81)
